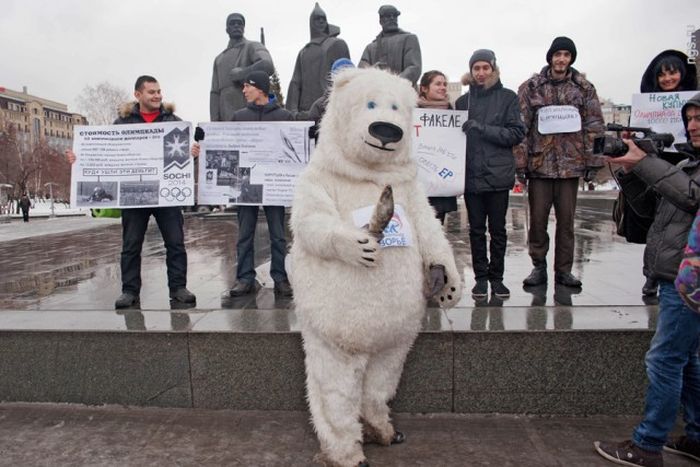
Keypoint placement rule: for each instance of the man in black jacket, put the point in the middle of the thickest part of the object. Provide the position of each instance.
(150, 108)
(493, 128)
(256, 89)
(672, 362)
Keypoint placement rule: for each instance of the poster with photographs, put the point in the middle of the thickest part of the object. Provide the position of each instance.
(132, 166)
(252, 163)
(661, 111)
(440, 147)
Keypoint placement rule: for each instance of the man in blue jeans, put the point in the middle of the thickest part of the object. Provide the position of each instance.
(672, 362)
(255, 90)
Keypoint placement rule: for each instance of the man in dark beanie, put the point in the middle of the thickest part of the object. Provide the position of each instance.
(256, 89)
(562, 116)
(232, 66)
(493, 128)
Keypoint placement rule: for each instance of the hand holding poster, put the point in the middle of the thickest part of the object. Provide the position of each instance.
(661, 111)
(132, 166)
(439, 147)
(252, 163)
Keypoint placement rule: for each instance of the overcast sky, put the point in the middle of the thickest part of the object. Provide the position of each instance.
(56, 47)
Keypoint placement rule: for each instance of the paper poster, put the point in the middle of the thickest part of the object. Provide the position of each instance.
(661, 111)
(553, 119)
(397, 233)
(132, 166)
(439, 148)
(252, 163)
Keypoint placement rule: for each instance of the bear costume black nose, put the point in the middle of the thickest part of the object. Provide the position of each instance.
(386, 132)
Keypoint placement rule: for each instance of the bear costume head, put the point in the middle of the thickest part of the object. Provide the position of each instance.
(369, 114)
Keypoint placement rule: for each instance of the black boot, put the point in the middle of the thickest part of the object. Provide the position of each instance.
(650, 287)
(538, 276)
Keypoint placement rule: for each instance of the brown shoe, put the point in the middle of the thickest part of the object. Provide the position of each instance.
(628, 453)
(684, 446)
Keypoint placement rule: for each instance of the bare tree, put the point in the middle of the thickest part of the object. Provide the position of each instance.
(100, 103)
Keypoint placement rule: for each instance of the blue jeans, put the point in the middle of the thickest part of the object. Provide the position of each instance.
(247, 221)
(134, 225)
(673, 369)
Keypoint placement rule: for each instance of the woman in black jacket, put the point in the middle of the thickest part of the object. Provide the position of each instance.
(493, 127)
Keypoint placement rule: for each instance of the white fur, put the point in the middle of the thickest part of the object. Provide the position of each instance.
(358, 322)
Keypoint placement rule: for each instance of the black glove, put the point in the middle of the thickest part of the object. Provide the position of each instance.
(472, 124)
(198, 134)
(313, 132)
(436, 280)
(589, 174)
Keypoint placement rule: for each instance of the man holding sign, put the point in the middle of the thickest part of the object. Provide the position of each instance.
(149, 108)
(562, 116)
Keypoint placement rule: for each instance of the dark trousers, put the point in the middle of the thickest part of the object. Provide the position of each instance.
(25, 215)
(247, 221)
(134, 224)
(542, 194)
(488, 207)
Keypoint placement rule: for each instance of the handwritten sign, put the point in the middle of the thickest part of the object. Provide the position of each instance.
(397, 233)
(661, 111)
(553, 119)
(439, 148)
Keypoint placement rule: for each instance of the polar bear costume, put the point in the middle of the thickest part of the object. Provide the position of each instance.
(360, 307)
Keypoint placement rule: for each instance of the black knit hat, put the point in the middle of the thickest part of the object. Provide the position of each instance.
(260, 80)
(562, 43)
(483, 55)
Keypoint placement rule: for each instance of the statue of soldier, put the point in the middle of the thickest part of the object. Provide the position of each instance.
(231, 67)
(313, 64)
(394, 49)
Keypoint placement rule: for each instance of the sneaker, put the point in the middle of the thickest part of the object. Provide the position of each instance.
(627, 453)
(240, 289)
(283, 288)
(538, 276)
(650, 287)
(183, 295)
(567, 279)
(127, 300)
(499, 289)
(684, 446)
(481, 289)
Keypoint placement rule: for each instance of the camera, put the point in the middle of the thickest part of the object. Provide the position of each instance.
(613, 146)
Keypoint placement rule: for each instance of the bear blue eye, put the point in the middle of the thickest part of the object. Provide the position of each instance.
(394, 107)
(371, 105)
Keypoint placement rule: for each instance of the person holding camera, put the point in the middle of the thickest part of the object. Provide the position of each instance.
(669, 71)
(562, 116)
(672, 362)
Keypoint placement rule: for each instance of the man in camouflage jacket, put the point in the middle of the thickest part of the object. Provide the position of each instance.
(562, 116)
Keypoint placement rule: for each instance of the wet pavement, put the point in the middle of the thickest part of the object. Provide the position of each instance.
(71, 435)
(73, 264)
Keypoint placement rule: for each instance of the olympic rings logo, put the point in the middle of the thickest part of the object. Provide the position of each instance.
(175, 193)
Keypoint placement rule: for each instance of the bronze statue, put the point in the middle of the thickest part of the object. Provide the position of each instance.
(393, 48)
(232, 66)
(313, 65)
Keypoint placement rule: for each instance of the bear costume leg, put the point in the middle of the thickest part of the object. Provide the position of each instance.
(334, 386)
(381, 380)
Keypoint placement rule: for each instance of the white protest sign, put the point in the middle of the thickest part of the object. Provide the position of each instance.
(439, 148)
(252, 163)
(132, 166)
(397, 233)
(661, 111)
(558, 119)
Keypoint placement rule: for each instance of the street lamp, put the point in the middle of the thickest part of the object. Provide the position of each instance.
(5, 185)
(50, 185)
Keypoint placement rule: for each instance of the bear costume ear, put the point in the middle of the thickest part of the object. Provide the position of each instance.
(344, 77)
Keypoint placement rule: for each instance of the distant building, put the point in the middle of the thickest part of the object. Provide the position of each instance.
(454, 90)
(615, 113)
(38, 119)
